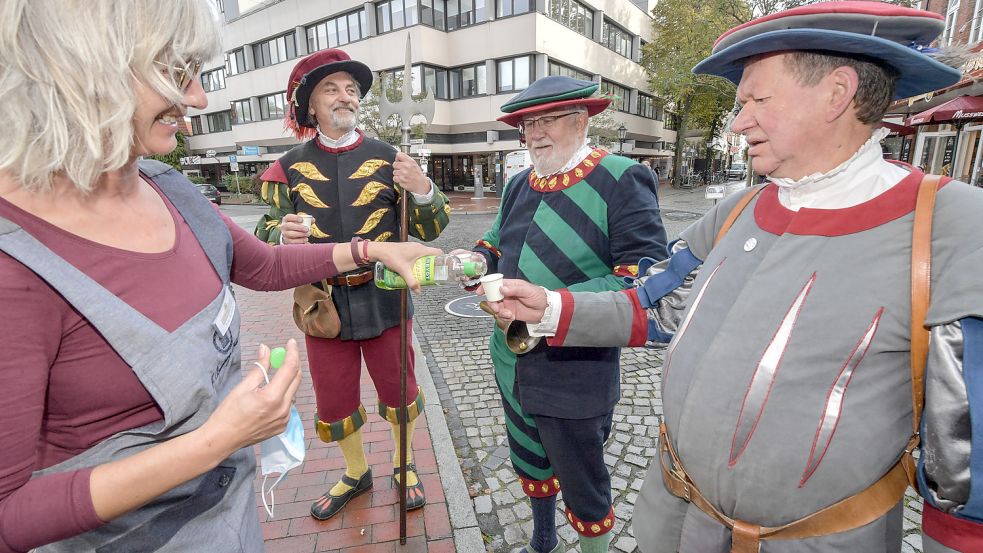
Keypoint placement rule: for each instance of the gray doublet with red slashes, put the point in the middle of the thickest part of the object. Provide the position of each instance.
(787, 387)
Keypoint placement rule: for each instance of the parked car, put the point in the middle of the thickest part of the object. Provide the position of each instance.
(210, 192)
(737, 171)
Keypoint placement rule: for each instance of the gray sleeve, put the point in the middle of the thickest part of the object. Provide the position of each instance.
(946, 429)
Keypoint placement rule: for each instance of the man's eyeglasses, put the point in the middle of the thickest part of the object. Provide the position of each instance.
(182, 75)
(544, 122)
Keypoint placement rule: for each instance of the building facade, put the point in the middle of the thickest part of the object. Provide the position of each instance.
(473, 54)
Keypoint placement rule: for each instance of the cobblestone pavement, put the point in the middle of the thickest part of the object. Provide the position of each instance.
(457, 353)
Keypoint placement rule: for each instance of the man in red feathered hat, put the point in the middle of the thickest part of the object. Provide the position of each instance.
(580, 218)
(348, 183)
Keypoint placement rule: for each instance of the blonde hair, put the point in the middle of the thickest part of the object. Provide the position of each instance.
(68, 73)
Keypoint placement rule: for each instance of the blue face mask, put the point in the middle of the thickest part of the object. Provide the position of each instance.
(281, 453)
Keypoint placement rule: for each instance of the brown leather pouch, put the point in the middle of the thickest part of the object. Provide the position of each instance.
(314, 311)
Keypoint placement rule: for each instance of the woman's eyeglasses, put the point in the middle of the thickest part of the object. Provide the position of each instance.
(182, 75)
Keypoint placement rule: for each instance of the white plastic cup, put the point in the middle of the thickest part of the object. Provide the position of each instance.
(307, 221)
(492, 285)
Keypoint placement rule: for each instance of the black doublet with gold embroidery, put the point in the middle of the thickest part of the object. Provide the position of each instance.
(350, 192)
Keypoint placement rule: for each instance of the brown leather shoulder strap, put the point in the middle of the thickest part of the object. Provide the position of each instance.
(921, 282)
(736, 211)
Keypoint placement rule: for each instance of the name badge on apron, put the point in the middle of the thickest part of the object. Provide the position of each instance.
(224, 319)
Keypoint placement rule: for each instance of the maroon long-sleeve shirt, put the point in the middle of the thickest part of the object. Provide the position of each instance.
(64, 389)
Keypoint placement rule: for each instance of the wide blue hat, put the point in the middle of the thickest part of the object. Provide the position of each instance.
(554, 92)
(896, 36)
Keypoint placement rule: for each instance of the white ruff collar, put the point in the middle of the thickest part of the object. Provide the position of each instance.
(346, 139)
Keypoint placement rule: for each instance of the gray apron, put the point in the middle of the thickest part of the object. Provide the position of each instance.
(187, 371)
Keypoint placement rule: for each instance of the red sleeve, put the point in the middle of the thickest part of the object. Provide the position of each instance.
(48, 508)
(260, 266)
(274, 173)
(566, 314)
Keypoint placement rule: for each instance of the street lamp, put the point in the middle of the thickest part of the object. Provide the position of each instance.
(622, 134)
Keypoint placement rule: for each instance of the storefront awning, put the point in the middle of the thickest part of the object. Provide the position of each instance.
(958, 110)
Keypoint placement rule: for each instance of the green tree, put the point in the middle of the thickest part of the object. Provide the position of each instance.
(173, 158)
(685, 31)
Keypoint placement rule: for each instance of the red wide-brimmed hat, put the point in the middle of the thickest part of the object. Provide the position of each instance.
(895, 36)
(307, 74)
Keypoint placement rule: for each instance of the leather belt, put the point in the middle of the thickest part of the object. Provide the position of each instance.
(351, 279)
(855, 511)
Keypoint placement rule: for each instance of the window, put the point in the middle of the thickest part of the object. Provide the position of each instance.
(447, 84)
(514, 73)
(337, 31)
(395, 14)
(616, 38)
(621, 95)
(272, 106)
(219, 121)
(213, 80)
(235, 62)
(281, 48)
(242, 112)
(562, 70)
(469, 81)
(976, 32)
(196, 125)
(671, 122)
(452, 14)
(951, 14)
(512, 7)
(647, 107)
(573, 15)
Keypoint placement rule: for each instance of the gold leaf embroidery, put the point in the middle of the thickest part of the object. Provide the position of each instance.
(552, 183)
(566, 179)
(369, 193)
(368, 168)
(373, 220)
(595, 154)
(270, 225)
(307, 193)
(579, 172)
(318, 233)
(383, 237)
(447, 209)
(308, 169)
(588, 163)
(264, 191)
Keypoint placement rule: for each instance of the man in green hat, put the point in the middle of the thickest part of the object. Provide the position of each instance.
(580, 219)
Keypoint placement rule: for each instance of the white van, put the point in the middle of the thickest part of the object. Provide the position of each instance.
(515, 163)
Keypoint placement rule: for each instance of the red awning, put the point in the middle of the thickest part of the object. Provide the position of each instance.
(898, 130)
(957, 110)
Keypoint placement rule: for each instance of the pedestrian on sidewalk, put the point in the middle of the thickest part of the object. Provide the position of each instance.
(128, 424)
(798, 338)
(349, 183)
(579, 218)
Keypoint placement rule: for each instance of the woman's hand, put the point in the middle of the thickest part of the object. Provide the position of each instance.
(254, 410)
(293, 230)
(400, 256)
(523, 301)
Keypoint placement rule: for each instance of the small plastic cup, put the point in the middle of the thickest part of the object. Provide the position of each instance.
(492, 285)
(307, 221)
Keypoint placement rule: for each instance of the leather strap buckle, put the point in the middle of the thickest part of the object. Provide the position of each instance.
(355, 279)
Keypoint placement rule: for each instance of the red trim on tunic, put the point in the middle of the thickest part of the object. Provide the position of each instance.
(274, 173)
(540, 488)
(566, 314)
(569, 178)
(592, 529)
(350, 147)
(487, 244)
(951, 531)
(896, 202)
(639, 320)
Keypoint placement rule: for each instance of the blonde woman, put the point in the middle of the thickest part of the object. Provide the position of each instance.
(126, 421)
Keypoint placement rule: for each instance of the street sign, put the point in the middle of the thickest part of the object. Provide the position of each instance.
(210, 153)
(233, 163)
(250, 150)
(416, 141)
(423, 152)
(715, 192)
(191, 160)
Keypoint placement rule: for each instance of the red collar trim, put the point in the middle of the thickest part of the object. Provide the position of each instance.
(348, 148)
(571, 177)
(897, 202)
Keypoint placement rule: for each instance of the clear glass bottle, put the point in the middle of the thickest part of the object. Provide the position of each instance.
(434, 269)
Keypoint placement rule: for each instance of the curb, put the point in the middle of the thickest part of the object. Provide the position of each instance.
(464, 521)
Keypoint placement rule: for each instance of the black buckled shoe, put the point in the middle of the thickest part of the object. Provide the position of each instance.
(415, 496)
(328, 505)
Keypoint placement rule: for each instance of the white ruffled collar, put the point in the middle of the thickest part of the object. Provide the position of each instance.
(868, 153)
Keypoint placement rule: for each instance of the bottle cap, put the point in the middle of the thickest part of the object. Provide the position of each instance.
(276, 357)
